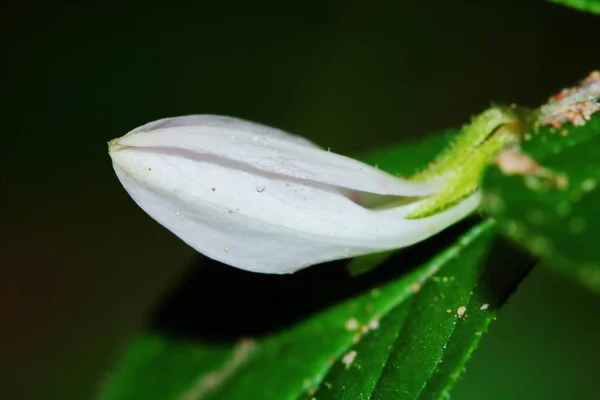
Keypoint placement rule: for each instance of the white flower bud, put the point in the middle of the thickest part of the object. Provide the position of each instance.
(263, 200)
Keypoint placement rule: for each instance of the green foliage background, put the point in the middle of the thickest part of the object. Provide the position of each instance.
(81, 265)
(584, 5)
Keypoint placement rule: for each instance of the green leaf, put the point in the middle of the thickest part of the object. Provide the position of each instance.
(592, 6)
(408, 338)
(404, 331)
(559, 223)
(422, 345)
(156, 367)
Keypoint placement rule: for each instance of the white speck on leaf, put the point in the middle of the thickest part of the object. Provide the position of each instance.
(348, 359)
(352, 324)
(415, 287)
(588, 185)
(373, 324)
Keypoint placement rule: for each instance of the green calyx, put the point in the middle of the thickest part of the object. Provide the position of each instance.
(463, 163)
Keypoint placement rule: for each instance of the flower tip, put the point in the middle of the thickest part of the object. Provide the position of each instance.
(114, 145)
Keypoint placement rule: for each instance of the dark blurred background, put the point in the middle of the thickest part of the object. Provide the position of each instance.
(81, 265)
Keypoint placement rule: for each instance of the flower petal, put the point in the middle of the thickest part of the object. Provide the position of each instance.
(269, 150)
(254, 220)
(222, 121)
